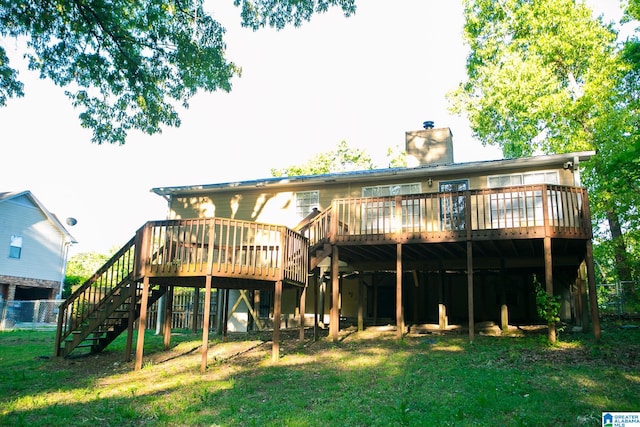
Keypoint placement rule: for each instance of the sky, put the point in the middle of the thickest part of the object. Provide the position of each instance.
(366, 79)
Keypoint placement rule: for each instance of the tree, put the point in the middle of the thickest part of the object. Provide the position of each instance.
(85, 264)
(342, 159)
(546, 76)
(126, 64)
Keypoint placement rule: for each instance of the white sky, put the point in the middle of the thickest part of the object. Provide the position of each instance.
(366, 79)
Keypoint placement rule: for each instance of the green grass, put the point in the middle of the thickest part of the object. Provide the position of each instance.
(367, 379)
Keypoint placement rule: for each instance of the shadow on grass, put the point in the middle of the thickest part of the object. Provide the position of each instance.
(364, 379)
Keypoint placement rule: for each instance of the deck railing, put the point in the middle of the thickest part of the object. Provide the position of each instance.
(221, 247)
(82, 303)
(527, 211)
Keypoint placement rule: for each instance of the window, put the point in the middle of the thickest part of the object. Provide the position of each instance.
(452, 204)
(305, 202)
(378, 215)
(518, 208)
(15, 247)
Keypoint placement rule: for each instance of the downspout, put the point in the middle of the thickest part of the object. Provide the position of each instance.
(65, 256)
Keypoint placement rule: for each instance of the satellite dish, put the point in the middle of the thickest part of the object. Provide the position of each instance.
(71, 221)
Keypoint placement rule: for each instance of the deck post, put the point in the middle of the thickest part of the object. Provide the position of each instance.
(133, 287)
(375, 299)
(548, 279)
(142, 322)
(168, 314)
(504, 309)
(196, 309)
(316, 295)
(360, 303)
(593, 299)
(416, 295)
(399, 305)
(303, 307)
(334, 321)
(582, 289)
(472, 325)
(443, 322)
(277, 319)
(205, 323)
(225, 315)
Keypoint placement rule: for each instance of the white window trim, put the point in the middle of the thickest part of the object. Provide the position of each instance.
(314, 204)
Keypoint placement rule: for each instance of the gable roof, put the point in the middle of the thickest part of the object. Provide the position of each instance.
(489, 166)
(9, 195)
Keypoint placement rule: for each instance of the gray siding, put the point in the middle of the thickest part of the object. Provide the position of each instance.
(42, 245)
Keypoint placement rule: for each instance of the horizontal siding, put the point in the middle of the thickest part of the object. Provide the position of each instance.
(277, 206)
(42, 245)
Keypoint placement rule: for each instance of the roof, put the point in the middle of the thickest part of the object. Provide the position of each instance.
(6, 196)
(365, 175)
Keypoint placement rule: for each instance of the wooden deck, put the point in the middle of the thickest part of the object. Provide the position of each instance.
(500, 222)
(450, 230)
(230, 250)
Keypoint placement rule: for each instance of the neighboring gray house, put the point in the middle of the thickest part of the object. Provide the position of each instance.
(33, 249)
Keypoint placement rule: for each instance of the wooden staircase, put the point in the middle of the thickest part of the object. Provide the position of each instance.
(109, 319)
(103, 307)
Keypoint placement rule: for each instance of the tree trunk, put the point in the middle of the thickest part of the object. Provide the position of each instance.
(619, 247)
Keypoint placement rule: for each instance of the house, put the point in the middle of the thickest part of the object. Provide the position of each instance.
(437, 244)
(34, 252)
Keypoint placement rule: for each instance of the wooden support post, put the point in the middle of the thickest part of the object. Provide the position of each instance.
(322, 301)
(504, 315)
(442, 317)
(442, 307)
(225, 315)
(399, 305)
(133, 287)
(303, 307)
(277, 319)
(334, 321)
(219, 310)
(504, 307)
(593, 299)
(317, 278)
(205, 323)
(168, 314)
(142, 322)
(416, 295)
(256, 304)
(470, 290)
(360, 302)
(196, 310)
(375, 299)
(548, 280)
(583, 296)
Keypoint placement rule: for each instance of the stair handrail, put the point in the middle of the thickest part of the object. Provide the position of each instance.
(85, 300)
(318, 228)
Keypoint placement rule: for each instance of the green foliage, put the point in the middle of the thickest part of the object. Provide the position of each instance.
(71, 283)
(546, 76)
(548, 306)
(536, 71)
(397, 157)
(260, 13)
(86, 263)
(342, 159)
(127, 65)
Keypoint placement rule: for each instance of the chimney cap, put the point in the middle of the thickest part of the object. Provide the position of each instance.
(428, 124)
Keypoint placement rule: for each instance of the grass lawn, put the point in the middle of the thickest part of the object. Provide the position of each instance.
(367, 379)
